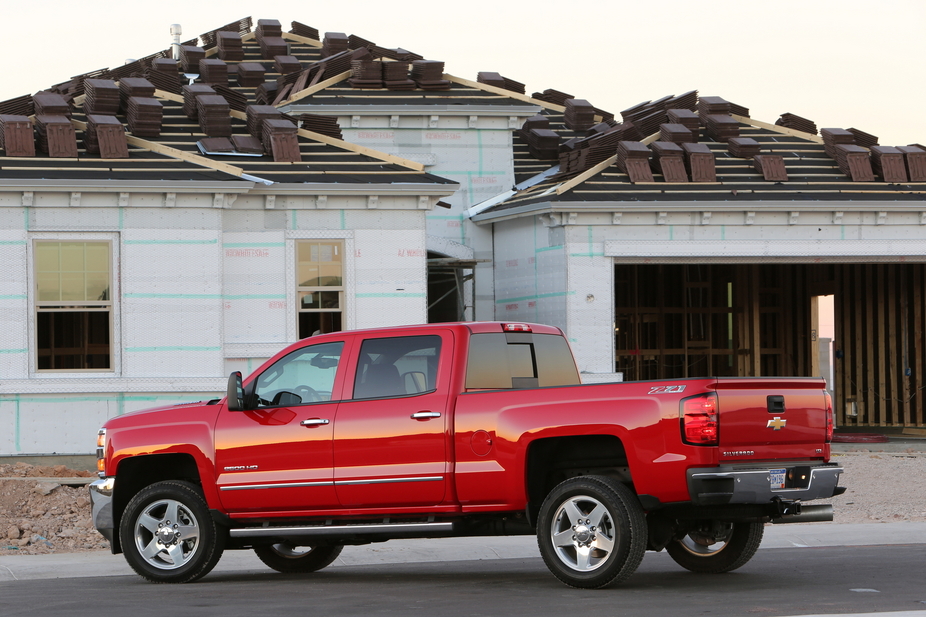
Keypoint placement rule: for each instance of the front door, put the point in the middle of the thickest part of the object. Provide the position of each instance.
(278, 454)
(390, 439)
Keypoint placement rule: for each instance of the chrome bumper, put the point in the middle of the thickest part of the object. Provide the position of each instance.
(728, 485)
(101, 502)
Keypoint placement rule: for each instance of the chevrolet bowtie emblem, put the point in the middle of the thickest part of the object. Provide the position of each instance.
(777, 423)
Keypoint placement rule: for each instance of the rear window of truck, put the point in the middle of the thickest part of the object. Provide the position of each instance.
(519, 360)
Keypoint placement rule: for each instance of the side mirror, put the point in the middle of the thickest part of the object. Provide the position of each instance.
(235, 392)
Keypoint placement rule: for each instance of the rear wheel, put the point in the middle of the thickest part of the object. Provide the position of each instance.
(591, 532)
(168, 535)
(717, 547)
(288, 558)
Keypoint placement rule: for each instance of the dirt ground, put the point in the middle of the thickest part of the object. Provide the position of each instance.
(40, 515)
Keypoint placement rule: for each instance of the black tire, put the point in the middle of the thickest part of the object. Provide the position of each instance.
(713, 553)
(288, 558)
(168, 535)
(610, 527)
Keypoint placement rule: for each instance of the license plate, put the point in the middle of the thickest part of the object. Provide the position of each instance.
(777, 478)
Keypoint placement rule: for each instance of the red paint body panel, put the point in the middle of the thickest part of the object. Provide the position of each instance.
(372, 458)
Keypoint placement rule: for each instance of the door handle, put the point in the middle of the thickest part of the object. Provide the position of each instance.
(424, 415)
(314, 422)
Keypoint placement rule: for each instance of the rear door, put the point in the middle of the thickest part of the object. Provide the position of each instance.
(774, 418)
(391, 435)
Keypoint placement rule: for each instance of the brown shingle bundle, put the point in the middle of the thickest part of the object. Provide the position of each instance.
(269, 35)
(56, 136)
(101, 96)
(326, 125)
(552, 96)
(676, 133)
(633, 159)
(395, 76)
(687, 100)
(236, 100)
(105, 136)
(255, 116)
(217, 144)
(266, 93)
(669, 160)
(708, 105)
(213, 71)
(687, 118)
(250, 74)
(212, 113)
(863, 139)
(543, 144)
(230, 46)
(721, 127)
(190, 55)
(915, 158)
(164, 75)
(855, 162)
(303, 30)
(771, 166)
(247, 144)
(144, 116)
(281, 139)
(739, 110)
(497, 80)
(367, 73)
(793, 121)
(133, 86)
(834, 137)
(51, 104)
(743, 147)
(429, 75)
(17, 137)
(19, 106)
(699, 162)
(286, 64)
(334, 43)
(888, 163)
(190, 93)
(579, 115)
(356, 42)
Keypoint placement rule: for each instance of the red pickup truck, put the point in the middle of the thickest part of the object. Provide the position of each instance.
(465, 429)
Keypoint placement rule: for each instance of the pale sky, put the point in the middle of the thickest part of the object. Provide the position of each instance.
(842, 64)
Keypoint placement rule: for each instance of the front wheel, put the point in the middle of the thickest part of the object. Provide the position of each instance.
(716, 548)
(591, 532)
(288, 558)
(168, 535)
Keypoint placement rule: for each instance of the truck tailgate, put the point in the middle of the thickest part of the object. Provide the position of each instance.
(772, 418)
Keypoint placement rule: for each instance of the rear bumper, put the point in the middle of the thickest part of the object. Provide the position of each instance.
(734, 485)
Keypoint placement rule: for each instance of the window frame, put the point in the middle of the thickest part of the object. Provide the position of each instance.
(110, 306)
(341, 289)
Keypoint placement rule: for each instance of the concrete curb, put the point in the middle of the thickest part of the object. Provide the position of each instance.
(793, 536)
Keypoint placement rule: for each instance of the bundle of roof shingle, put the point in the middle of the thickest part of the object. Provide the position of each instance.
(366, 73)
(915, 158)
(56, 136)
(334, 43)
(303, 30)
(699, 163)
(255, 116)
(677, 133)
(834, 137)
(101, 96)
(133, 86)
(395, 76)
(144, 116)
(213, 71)
(250, 74)
(708, 105)
(105, 136)
(163, 74)
(888, 163)
(855, 162)
(863, 139)
(212, 113)
(280, 138)
(236, 100)
(669, 160)
(429, 75)
(190, 55)
(51, 104)
(325, 125)
(633, 159)
(793, 121)
(497, 80)
(269, 35)
(686, 118)
(286, 64)
(552, 96)
(230, 47)
(771, 166)
(743, 147)
(579, 115)
(190, 92)
(17, 137)
(721, 127)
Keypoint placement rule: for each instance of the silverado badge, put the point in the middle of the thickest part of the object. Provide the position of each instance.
(777, 423)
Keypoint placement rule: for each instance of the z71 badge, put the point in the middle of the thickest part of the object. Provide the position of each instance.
(666, 389)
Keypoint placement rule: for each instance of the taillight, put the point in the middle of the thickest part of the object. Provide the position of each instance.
(516, 327)
(699, 421)
(101, 452)
(828, 403)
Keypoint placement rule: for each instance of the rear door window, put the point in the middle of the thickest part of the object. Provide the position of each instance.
(519, 360)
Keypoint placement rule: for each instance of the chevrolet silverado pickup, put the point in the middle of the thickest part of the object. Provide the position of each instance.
(464, 429)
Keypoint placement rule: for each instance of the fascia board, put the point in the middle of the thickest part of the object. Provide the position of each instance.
(346, 109)
(333, 188)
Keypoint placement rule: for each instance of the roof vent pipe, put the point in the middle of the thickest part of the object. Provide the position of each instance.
(175, 32)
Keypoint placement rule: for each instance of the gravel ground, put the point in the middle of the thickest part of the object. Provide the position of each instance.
(39, 516)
